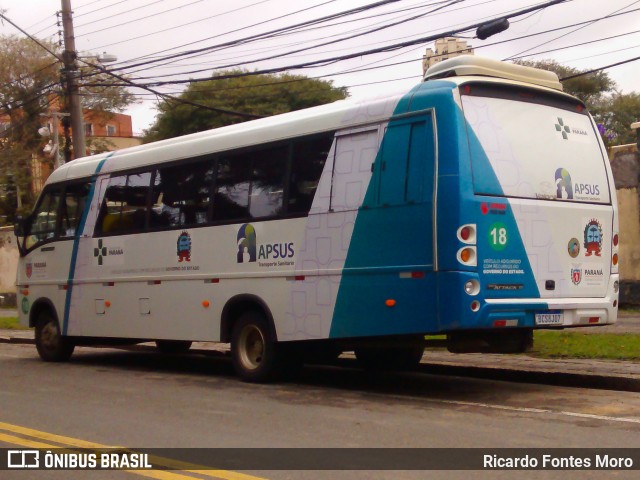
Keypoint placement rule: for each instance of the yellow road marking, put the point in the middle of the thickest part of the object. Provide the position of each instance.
(158, 474)
(155, 460)
(52, 437)
(23, 442)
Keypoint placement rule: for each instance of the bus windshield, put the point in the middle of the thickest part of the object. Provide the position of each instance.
(537, 145)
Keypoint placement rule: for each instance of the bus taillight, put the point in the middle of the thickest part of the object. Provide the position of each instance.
(467, 234)
(614, 252)
(468, 256)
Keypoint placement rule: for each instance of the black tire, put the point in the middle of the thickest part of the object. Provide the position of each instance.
(393, 358)
(256, 357)
(51, 345)
(173, 346)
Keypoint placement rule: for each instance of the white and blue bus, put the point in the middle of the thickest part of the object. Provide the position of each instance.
(479, 205)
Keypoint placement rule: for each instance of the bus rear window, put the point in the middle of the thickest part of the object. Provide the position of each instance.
(531, 144)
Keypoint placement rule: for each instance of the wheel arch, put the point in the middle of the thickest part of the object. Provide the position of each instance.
(39, 306)
(239, 304)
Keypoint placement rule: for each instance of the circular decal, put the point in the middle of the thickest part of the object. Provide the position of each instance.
(498, 236)
(25, 305)
(574, 247)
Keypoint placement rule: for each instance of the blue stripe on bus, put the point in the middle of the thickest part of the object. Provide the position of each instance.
(396, 236)
(76, 244)
(426, 303)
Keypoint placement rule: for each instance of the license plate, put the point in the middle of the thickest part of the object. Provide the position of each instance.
(550, 317)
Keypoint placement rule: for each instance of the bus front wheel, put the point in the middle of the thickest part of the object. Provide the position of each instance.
(52, 346)
(254, 353)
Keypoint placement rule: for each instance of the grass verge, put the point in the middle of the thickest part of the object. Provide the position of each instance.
(607, 346)
(11, 323)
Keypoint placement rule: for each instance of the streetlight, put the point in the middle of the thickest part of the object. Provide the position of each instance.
(53, 150)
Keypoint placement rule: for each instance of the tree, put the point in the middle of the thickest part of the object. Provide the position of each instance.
(27, 77)
(253, 95)
(612, 110)
(615, 114)
(30, 86)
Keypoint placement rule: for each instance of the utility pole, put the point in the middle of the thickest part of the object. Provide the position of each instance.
(69, 57)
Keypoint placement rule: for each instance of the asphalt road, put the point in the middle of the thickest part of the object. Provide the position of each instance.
(143, 399)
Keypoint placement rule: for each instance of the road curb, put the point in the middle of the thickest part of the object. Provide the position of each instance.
(450, 368)
(17, 340)
(564, 379)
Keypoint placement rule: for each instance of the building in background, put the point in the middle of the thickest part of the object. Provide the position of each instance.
(104, 132)
(445, 48)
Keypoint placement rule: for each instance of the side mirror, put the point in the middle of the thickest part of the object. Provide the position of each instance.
(19, 229)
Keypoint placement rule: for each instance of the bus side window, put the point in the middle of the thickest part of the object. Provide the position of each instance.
(232, 188)
(42, 224)
(405, 170)
(309, 158)
(73, 204)
(267, 181)
(182, 195)
(124, 208)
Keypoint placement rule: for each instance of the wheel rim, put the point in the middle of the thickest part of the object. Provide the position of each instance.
(251, 347)
(49, 336)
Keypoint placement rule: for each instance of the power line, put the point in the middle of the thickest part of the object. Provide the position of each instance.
(80, 7)
(595, 70)
(331, 42)
(392, 47)
(135, 19)
(575, 45)
(236, 55)
(603, 53)
(164, 30)
(176, 99)
(361, 69)
(8, 20)
(99, 9)
(568, 33)
(125, 80)
(254, 37)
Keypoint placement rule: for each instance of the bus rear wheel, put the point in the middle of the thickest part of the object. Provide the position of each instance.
(254, 353)
(52, 346)
(173, 346)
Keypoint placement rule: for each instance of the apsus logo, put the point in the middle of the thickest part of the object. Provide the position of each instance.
(249, 251)
(563, 182)
(587, 189)
(246, 243)
(593, 238)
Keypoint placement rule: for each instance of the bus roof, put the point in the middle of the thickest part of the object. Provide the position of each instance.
(464, 65)
(337, 115)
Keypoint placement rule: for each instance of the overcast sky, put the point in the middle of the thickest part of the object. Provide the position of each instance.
(132, 29)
